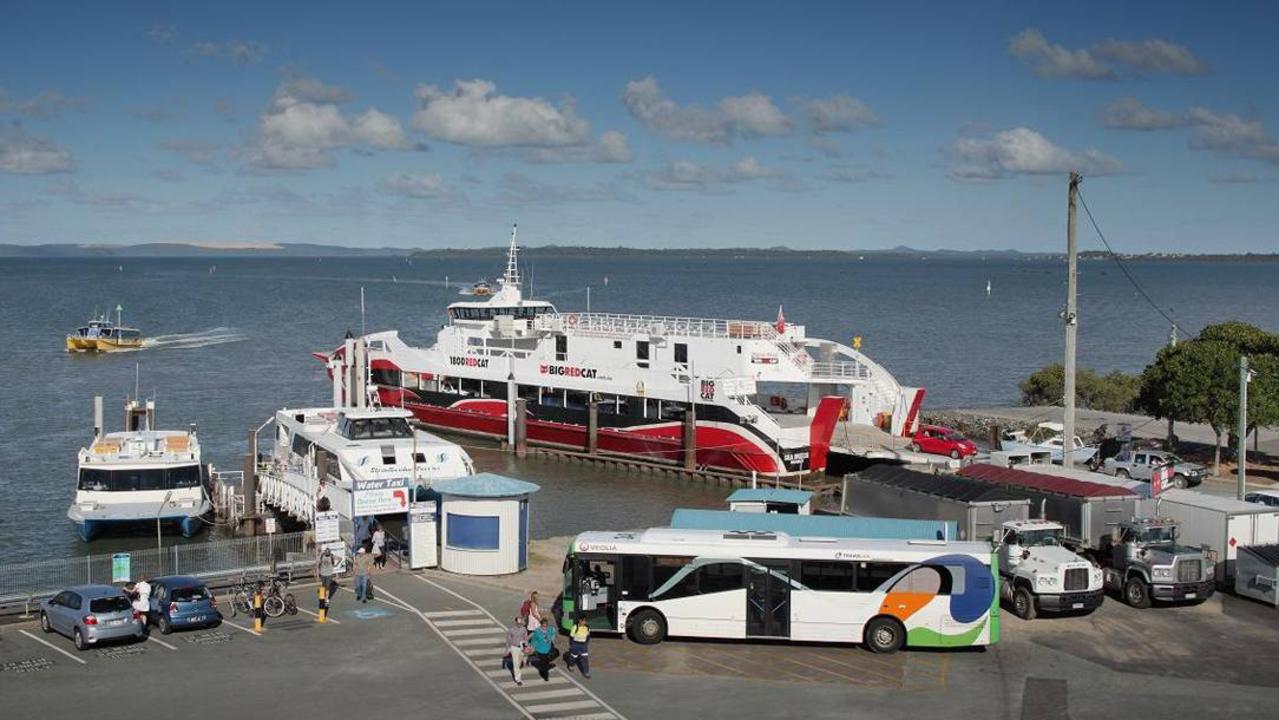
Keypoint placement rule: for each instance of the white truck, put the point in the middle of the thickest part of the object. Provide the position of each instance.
(1039, 574)
(1222, 524)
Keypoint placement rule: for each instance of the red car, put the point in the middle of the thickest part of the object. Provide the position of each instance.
(942, 441)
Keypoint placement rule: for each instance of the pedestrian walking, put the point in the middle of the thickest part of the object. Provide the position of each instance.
(531, 613)
(363, 566)
(516, 649)
(578, 648)
(142, 601)
(544, 653)
(326, 568)
(379, 546)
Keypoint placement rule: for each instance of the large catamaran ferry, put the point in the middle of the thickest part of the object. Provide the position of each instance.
(765, 397)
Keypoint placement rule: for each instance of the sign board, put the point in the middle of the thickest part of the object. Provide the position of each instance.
(270, 525)
(424, 518)
(120, 569)
(326, 527)
(338, 550)
(380, 496)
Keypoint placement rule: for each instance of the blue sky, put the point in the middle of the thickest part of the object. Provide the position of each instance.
(814, 125)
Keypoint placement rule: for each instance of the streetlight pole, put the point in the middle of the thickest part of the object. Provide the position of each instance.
(1070, 316)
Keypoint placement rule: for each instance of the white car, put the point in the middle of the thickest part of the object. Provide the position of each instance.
(1263, 497)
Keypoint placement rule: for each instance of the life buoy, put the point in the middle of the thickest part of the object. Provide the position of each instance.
(572, 319)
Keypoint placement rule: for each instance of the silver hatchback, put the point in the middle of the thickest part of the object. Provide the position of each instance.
(89, 614)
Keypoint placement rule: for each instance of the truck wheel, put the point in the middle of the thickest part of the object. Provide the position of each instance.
(1023, 604)
(1136, 593)
(885, 635)
(1121, 473)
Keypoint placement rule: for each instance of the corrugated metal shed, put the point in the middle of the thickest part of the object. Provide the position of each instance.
(1044, 483)
(837, 526)
(952, 487)
(798, 497)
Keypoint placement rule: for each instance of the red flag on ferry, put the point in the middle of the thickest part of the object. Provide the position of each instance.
(1158, 478)
(781, 320)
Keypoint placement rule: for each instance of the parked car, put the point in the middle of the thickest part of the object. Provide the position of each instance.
(1263, 497)
(939, 440)
(1139, 465)
(89, 614)
(181, 602)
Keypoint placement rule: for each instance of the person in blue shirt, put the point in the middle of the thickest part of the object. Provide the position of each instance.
(543, 643)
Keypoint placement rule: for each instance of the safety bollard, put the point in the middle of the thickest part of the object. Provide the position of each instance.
(323, 593)
(259, 611)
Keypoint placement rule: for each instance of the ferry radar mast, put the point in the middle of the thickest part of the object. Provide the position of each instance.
(512, 276)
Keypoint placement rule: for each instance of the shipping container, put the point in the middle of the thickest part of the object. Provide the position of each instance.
(1223, 524)
(892, 491)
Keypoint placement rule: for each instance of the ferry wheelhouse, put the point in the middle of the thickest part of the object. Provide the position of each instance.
(643, 373)
(140, 476)
(364, 460)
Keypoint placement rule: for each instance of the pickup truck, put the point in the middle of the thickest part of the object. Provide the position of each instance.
(1140, 464)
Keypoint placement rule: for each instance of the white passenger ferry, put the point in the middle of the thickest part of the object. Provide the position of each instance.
(365, 461)
(140, 476)
(644, 372)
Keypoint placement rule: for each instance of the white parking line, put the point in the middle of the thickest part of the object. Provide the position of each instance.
(333, 620)
(241, 628)
(53, 647)
(556, 707)
(161, 642)
(481, 608)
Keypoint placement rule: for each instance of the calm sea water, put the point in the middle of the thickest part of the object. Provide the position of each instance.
(231, 346)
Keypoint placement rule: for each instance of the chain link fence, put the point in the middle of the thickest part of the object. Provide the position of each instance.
(22, 582)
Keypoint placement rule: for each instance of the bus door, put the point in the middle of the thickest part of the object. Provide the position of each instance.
(595, 585)
(768, 598)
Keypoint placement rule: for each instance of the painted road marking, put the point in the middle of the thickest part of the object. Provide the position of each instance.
(241, 628)
(333, 620)
(491, 630)
(510, 684)
(488, 662)
(369, 613)
(472, 652)
(545, 694)
(451, 613)
(474, 641)
(53, 647)
(481, 608)
(588, 716)
(556, 707)
(160, 642)
(471, 621)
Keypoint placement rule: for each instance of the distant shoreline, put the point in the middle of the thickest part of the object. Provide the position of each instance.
(303, 250)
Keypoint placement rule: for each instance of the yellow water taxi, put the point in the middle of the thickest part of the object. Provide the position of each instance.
(102, 335)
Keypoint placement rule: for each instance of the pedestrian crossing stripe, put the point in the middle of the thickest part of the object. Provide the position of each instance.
(556, 707)
(495, 630)
(468, 621)
(545, 694)
(471, 652)
(473, 641)
(452, 613)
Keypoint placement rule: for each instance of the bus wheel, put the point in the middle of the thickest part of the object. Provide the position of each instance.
(648, 627)
(885, 635)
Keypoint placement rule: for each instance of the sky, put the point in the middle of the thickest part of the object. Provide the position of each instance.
(841, 125)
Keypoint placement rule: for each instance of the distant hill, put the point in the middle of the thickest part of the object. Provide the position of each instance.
(66, 250)
(556, 251)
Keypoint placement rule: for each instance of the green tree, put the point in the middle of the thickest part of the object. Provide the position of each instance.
(1113, 392)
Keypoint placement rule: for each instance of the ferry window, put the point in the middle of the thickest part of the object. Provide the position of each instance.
(385, 377)
(721, 577)
(187, 476)
(528, 392)
(469, 387)
(495, 390)
(739, 349)
(681, 353)
(641, 353)
(301, 446)
(671, 410)
(552, 397)
(617, 344)
(827, 575)
(575, 400)
(561, 348)
(870, 575)
(388, 454)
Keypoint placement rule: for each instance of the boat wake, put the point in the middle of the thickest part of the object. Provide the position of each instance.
(186, 341)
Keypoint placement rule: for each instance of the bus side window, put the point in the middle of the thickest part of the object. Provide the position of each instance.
(871, 575)
(636, 580)
(721, 577)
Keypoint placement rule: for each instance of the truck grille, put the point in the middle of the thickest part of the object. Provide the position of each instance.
(1076, 579)
(1189, 570)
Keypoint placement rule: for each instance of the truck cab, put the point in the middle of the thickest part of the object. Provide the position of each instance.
(1040, 574)
(1143, 561)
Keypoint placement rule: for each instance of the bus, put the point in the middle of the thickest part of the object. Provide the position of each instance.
(885, 594)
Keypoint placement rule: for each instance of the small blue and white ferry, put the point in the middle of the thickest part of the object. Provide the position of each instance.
(141, 475)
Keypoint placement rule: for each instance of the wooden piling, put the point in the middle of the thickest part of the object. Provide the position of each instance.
(521, 427)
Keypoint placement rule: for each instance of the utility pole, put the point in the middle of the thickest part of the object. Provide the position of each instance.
(1172, 342)
(1070, 316)
(1242, 438)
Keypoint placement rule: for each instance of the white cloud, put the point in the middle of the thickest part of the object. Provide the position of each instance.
(688, 175)
(196, 151)
(611, 147)
(240, 52)
(43, 105)
(474, 114)
(1131, 114)
(304, 124)
(839, 113)
(1022, 151)
(519, 189)
(848, 174)
(746, 116)
(162, 33)
(26, 154)
(1106, 60)
(414, 185)
(1231, 135)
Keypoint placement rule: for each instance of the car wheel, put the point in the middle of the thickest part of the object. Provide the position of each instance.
(885, 635)
(1136, 593)
(1121, 473)
(954, 454)
(80, 643)
(1179, 481)
(44, 622)
(1024, 604)
(165, 627)
(648, 627)
(914, 447)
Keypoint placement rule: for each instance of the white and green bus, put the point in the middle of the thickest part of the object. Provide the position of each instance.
(887, 594)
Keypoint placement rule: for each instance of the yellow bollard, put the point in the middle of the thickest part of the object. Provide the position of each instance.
(258, 611)
(323, 593)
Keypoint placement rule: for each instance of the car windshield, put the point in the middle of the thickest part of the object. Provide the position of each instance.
(1159, 535)
(189, 594)
(119, 603)
(955, 435)
(1031, 538)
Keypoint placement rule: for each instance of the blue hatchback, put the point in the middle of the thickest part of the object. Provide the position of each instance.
(180, 602)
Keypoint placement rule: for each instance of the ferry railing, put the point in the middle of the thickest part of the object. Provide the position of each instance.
(659, 325)
(842, 370)
(25, 584)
